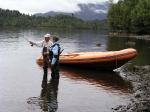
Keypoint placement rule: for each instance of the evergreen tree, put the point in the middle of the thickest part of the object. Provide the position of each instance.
(130, 16)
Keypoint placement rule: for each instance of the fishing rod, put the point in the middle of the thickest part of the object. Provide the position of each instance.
(61, 38)
(27, 40)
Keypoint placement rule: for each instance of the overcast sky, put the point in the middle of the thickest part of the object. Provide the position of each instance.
(41, 6)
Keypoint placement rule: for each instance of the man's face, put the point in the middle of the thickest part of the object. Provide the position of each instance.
(47, 39)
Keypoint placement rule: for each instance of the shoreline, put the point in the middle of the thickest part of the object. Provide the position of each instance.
(140, 100)
(130, 35)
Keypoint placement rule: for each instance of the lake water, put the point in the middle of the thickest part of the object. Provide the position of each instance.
(23, 87)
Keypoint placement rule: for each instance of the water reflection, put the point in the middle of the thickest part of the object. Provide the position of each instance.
(85, 85)
(110, 81)
(48, 97)
(49, 94)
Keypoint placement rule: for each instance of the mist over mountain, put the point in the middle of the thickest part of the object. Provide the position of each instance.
(87, 12)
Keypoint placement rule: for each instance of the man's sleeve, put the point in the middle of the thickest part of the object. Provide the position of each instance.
(38, 44)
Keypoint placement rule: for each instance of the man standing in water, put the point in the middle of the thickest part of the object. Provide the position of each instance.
(51, 52)
(45, 44)
(54, 52)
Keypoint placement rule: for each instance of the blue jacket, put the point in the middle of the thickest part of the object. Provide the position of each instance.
(54, 49)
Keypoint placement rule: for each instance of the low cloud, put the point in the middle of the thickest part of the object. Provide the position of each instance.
(36, 6)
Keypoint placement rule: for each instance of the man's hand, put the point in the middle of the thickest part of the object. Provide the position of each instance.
(31, 43)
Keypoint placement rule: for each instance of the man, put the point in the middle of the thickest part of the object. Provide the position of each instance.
(46, 43)
(54, 52)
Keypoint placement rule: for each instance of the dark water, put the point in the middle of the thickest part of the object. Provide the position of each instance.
(24, 88)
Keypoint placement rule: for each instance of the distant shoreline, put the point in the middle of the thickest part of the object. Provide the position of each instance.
(131, 35)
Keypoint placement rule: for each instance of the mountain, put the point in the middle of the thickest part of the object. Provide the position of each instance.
(87, 12)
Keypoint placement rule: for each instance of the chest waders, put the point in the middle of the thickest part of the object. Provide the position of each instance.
(45, 59)
(55, 68)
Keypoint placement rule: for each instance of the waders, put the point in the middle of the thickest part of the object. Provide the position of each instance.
(45, 60)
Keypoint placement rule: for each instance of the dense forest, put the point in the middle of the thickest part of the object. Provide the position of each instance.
(130, 16)
(17, 19)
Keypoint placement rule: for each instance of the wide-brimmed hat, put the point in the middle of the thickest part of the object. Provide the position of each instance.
(47, 35)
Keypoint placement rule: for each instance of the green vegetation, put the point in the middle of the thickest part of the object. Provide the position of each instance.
(130, 16)
(16, 19)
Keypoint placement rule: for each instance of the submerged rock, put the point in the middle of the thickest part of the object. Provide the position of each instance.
(98, 44)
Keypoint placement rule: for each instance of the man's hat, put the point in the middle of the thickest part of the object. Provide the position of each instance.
(47, 35)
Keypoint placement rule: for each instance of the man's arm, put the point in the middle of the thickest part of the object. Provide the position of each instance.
(38, 44)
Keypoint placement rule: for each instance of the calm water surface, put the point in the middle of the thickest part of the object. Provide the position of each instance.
(24, 87)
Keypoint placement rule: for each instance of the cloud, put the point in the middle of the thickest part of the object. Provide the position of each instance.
(36, 6)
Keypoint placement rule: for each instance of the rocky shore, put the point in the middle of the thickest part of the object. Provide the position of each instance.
(140, 100)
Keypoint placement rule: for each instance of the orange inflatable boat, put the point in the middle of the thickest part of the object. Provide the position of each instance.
(98, 60)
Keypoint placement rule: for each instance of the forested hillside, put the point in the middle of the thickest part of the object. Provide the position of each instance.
(130, 16)
(17, 19)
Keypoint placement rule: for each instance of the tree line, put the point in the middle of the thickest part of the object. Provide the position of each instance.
(16, 19)
(130, 16)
